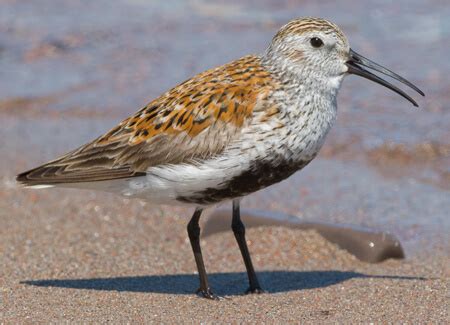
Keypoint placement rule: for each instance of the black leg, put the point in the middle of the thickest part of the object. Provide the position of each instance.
(239, 232)
(194, 236)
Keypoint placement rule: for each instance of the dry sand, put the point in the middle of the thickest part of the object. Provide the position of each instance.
(92, 257)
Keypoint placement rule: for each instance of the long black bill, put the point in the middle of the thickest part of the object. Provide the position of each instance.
(355, 66)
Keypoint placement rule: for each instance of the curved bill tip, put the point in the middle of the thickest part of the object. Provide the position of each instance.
(356, 65)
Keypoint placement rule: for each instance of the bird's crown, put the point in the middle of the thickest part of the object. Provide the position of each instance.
(302, 26)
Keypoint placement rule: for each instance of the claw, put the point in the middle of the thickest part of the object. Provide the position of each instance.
(208, 294)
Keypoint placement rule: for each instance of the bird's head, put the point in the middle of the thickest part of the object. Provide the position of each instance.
(317, 49)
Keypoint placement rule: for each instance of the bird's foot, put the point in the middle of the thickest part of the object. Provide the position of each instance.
(254, 290)
(207, 293)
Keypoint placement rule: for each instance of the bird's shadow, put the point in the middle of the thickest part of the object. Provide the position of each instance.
(233, 283)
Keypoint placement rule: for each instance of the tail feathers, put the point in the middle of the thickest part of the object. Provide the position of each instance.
(49, 175)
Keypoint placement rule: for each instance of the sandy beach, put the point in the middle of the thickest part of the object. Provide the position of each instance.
(83, 261)
(70, 71)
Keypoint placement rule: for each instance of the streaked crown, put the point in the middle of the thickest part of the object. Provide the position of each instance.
(302, 26)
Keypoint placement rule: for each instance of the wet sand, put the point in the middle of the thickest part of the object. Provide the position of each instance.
(84, 256)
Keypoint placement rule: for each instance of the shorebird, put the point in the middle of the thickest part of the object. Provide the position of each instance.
(225, 133)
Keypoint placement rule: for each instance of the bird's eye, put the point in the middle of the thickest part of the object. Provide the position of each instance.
(316, 42)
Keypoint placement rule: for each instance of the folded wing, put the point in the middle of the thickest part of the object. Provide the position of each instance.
(194, 121)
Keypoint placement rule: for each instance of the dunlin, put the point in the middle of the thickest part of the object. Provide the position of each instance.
(225, 133)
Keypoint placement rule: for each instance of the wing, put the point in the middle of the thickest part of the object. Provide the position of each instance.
(195, 120)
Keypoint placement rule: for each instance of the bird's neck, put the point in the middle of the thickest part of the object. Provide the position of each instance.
(302, 79)
(308, 105)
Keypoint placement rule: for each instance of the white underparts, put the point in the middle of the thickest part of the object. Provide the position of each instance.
(39, 187)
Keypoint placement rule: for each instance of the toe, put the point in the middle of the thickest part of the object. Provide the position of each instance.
(256, 290)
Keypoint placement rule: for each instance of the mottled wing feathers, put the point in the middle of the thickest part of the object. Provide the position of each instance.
(226, 94)
(193, 121)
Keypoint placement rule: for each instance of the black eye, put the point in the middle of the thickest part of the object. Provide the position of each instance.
(316, 42)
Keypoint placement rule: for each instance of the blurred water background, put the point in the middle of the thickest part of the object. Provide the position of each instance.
(70, 70)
